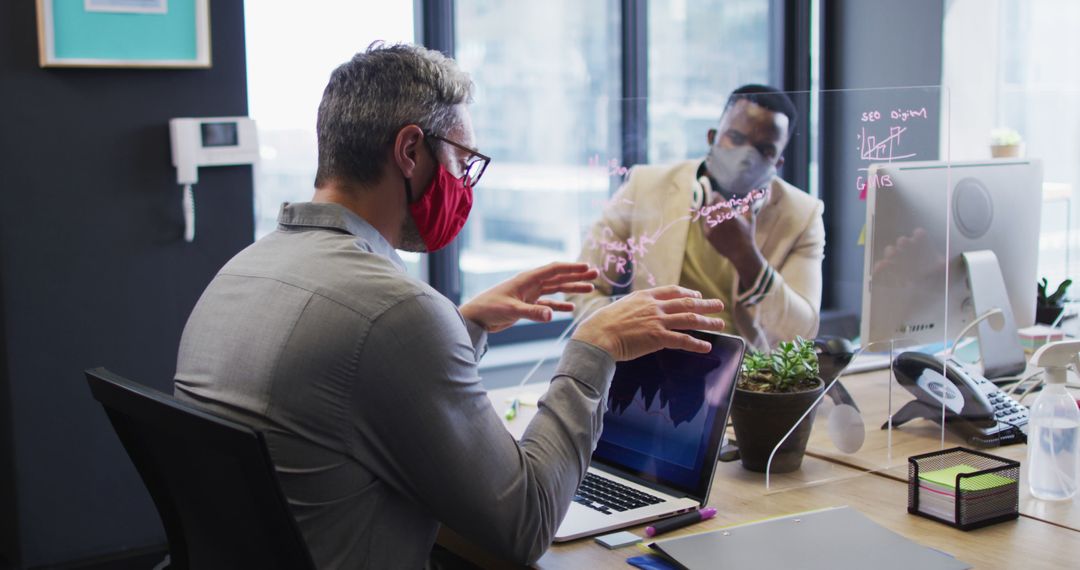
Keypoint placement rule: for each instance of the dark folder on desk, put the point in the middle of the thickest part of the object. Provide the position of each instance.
(835, 538)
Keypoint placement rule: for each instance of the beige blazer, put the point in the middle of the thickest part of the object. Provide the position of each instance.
(656, 204)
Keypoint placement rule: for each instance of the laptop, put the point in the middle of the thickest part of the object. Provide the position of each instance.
(664, 423)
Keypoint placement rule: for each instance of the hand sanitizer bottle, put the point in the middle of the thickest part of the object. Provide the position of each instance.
(1054, 427)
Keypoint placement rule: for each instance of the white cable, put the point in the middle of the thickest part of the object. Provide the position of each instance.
(1030, 389)
(580, 317)
(1035, 385)
(1020, 380)
(515, 402)
(187, 203)
(972, 324)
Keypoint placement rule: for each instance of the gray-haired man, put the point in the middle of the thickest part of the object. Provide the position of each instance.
(365, 379)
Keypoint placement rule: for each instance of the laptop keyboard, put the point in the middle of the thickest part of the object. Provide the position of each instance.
(606, 496)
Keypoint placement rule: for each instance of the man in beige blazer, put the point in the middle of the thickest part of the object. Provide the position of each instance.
(726, 226)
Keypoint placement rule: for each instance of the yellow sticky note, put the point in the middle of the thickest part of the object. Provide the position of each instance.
(862, 235)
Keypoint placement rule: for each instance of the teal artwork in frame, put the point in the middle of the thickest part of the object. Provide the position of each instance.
(124, 33)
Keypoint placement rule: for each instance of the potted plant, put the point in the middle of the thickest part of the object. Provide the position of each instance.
(1005, 143)
(773, 391)
(1048, 307)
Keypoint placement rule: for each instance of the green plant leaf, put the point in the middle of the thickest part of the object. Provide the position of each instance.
(1055, 299)
(789, 364)
(1062, 289)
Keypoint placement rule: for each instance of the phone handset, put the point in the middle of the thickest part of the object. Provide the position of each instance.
(970, 405)
(187, 204)
(208, 141)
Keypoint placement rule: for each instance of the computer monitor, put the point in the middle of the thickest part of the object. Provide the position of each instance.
(922, 217)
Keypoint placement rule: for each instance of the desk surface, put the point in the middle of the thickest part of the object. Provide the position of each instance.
(870, 392)
(1046, 535)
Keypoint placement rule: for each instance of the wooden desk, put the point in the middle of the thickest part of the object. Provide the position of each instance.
(827, 480)
(870, 392)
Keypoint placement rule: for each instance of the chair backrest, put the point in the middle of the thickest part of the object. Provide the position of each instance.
(211, 479)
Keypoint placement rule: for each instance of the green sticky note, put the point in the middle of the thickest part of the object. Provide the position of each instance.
(947, 478)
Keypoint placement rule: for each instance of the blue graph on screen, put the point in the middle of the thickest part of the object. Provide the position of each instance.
(657, 406)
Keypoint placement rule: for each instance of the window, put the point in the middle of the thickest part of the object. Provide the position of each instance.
(699, 52)
(1012, 65)
(548, 111)
(546, 105)
(291, 50)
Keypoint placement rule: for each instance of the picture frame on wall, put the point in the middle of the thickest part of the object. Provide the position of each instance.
(124, 33)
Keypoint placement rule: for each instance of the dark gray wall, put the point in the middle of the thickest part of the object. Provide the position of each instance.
(870, 44)
(94, 272)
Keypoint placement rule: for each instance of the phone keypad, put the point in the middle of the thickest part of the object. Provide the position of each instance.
(1006, 409)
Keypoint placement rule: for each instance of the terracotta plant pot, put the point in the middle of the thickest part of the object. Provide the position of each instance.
(1005, 150)
(761, 420)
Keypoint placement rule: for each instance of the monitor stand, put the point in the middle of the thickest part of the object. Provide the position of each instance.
(1001, 352)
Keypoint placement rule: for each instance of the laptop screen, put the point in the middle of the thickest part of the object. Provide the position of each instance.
(666, 414)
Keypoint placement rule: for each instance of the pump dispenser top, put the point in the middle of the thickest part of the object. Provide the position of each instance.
(1054, 426)
(1055, 358)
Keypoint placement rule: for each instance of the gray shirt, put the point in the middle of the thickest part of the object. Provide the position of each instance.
(364, 381)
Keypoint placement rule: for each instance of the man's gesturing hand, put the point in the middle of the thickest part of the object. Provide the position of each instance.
(646, 321)
(519, 297)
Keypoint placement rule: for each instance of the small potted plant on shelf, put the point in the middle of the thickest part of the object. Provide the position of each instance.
(773, 391)
(1049, 307)
(1005, 143)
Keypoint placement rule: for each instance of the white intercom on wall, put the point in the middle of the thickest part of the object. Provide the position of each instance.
(208, 141)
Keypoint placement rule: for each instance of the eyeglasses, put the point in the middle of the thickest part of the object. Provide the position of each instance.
(475, 164)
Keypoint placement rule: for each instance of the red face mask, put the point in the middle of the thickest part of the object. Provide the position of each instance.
(441, 212)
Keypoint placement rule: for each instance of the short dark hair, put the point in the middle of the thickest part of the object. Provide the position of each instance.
(372, 96)
(769, 97)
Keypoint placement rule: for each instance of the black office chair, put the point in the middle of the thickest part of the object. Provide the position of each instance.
(211, 479)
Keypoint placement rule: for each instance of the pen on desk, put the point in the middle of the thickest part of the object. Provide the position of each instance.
(679, 521)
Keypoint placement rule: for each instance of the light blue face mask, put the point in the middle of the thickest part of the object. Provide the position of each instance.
(738, 170)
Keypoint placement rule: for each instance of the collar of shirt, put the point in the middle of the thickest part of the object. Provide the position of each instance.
(336, 217)
(709, 186)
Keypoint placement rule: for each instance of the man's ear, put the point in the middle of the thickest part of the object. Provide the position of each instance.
(711, 136)
(404, 154)
(779, 162)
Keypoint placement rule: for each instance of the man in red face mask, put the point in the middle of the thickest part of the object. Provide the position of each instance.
(364, 379)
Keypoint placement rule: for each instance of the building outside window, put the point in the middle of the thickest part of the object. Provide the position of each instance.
(547, 106)
(547, 85)
(548, 112)
(286, 78)
(699, 52)
(1011, 64)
